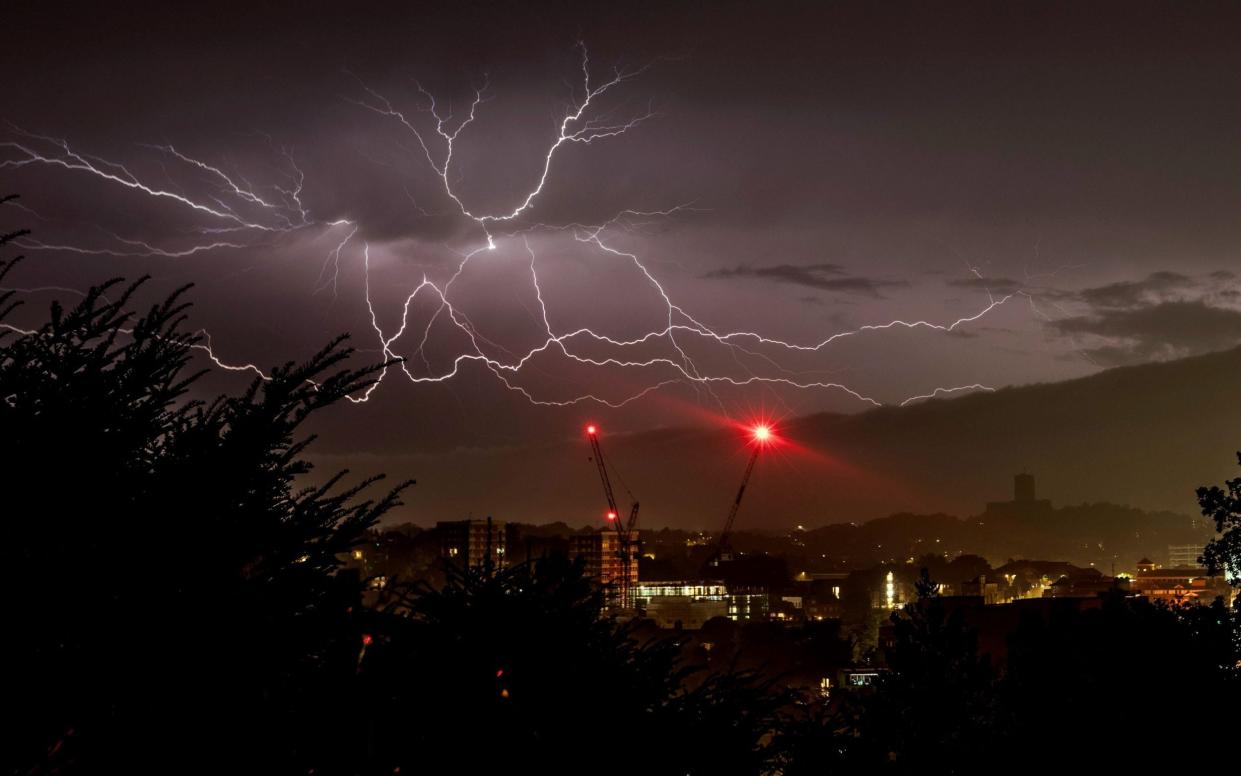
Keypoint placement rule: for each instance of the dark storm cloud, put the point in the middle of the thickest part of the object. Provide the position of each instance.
(1166, 314)
(1128, 293)
(825, 277)
(994, 285)
(1163, 330)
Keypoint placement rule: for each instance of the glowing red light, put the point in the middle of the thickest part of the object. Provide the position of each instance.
(591, 430)
(366, 639)
(762, 433)
(611, 515)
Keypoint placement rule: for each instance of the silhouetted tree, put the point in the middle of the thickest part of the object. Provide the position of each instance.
(518, 669)
(1100, 682)
(1224, 507)
(934, 710)
(965, 568)
(925, 586)
(817, 738)
(169, 586)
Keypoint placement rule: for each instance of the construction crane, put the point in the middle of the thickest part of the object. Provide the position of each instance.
(624, 529)
(760, 436)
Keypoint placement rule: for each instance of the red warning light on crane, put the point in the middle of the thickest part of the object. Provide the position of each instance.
(591, 429)
(762, 433)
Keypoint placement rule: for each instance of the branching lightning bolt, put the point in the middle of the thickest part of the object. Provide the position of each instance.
(238, 215)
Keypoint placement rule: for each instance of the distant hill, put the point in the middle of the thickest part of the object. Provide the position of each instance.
(1087, 534)
(1144, 436)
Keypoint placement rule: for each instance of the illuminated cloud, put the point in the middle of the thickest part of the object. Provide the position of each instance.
(1157, 331)
(825, 277)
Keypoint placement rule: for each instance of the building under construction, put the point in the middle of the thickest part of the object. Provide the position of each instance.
(611, 554)
(605, 559)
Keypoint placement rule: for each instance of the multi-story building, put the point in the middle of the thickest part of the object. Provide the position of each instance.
(472, 543)
(822, 606)
(1184, 555)
(820, 594)
(600, 551)
(893, 592)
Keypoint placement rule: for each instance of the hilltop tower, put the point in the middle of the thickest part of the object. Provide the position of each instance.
(1023, 488)
(1025, 504)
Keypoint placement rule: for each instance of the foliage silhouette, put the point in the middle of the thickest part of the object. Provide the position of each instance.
(518, 666)
(934, 710)
(170, 588)
(1223, 505)
(1077, 689)
(1093, 679)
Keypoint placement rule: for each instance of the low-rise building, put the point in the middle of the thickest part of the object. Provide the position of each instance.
(688, 605)
(1084, 583)
(1179, 585)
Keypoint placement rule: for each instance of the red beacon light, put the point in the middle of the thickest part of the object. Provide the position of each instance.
(762, 433)
(591, 430)
(611, 515)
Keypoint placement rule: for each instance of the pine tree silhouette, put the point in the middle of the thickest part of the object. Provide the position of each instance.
(169, 584)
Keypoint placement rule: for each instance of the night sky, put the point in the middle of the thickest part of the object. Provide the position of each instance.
(1066, 176)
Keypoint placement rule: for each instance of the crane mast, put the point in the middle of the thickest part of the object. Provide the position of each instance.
(723, 550)
(624, 529)
(762, 436)
(597, 452)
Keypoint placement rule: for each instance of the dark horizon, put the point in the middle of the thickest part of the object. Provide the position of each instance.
(1148, 450)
